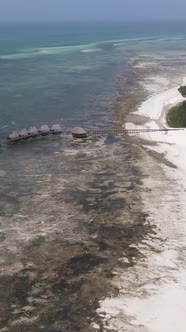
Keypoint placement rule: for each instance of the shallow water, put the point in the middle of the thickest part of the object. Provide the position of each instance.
(59, 72)
(65, 219)
(69, 209)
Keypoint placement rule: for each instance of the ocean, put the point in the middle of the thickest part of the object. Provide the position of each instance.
(53, 72)
(69, 210)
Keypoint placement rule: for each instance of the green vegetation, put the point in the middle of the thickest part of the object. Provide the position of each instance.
(176, 116)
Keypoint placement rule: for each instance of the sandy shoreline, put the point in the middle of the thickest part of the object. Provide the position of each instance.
(165, 310)
(172, 144)
(153, 294)
(155, 108)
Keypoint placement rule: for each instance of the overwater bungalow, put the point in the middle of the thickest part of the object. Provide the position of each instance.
(33, 131)
(13, 135)
(44, 130)
(78, 132)
(23, 132)
(56, 129)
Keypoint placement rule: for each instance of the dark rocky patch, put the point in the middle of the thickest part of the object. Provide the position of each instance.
(182, 90)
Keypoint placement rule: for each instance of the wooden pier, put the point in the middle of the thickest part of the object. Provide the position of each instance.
(120, 132)
(77, 132)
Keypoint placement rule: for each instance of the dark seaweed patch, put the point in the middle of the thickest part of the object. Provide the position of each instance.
(81, 265)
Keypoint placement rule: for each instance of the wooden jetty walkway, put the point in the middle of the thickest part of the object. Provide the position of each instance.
(77, 132)
(119, 132)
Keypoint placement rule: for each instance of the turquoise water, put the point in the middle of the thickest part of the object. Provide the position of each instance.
(54, 72)
(60, 199)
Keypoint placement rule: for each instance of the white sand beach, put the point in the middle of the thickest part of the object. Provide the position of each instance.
(153, 292)
(173, 143)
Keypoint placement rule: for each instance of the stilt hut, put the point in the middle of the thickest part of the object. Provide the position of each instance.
(78, 132)
(44, 130)
(33, 131)
(13, 136)
(56, 129)
(23, 133)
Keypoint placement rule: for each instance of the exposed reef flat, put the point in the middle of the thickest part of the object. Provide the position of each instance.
(55, 268)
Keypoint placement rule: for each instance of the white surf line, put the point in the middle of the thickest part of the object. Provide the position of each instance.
(153, 293)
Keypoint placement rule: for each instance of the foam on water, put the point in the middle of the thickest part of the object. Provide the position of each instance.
(25, 54)
(83, 48)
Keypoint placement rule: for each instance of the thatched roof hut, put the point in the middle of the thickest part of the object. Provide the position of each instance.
(56, 128)
(13, 135)
(78, 132)
(23, 132)
(44, 130)
(33, 131)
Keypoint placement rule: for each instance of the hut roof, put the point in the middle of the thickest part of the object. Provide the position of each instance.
(23, 132)
(13, 135)
(33, 130)
(44, 128)
(56, 127)
(78, 130)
